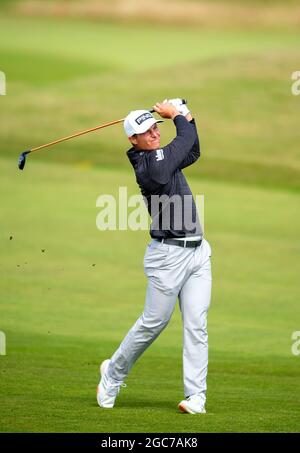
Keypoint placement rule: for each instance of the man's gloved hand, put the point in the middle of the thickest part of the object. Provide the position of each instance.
(177, 102)
(166, 110)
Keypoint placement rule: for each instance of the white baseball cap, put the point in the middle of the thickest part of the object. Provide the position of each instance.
(138, 122)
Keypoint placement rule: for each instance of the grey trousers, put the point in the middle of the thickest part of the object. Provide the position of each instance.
(173, 272)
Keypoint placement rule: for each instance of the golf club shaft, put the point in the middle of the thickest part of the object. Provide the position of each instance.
(84, 132)
(77, 134)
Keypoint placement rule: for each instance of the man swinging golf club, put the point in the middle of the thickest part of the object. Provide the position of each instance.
(177, 260)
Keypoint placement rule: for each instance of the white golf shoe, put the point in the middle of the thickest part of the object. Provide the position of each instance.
(192, 405)
(107, 391)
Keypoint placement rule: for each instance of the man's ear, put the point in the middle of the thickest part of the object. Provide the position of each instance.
(133, 140)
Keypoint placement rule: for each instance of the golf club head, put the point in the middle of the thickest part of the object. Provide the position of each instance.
(22, 159)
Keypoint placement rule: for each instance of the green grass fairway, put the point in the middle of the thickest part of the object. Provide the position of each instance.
(62, 315)
(69, 292)
(65, 76)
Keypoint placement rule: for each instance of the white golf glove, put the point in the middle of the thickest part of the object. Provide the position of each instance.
(177, 102)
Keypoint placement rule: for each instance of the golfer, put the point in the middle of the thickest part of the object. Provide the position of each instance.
(177, 260)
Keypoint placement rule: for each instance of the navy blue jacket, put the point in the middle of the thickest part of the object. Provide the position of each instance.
(165, 190)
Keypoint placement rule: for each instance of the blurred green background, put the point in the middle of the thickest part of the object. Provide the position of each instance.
(69, 292)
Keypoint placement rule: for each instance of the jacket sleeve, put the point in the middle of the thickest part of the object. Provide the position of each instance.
(194, 153)
(162, 163)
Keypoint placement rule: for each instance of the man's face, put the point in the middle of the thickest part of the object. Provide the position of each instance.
(147, 141)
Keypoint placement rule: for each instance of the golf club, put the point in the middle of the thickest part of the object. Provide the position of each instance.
(22, 157)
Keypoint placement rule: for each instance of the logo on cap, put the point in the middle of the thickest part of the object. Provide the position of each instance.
(145, 116)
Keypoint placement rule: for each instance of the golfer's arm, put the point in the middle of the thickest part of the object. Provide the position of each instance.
(194, 153)
(161, 169)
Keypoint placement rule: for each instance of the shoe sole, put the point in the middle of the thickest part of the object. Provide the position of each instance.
(185, 410)
(103, 367)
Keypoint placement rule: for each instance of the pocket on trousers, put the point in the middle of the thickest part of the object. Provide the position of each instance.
(156, 255)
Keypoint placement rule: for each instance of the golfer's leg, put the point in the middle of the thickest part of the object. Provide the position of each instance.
(158, 310)
(194, 300)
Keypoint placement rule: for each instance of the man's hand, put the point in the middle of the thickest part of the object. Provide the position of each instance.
(166, 110)
(182, 108)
